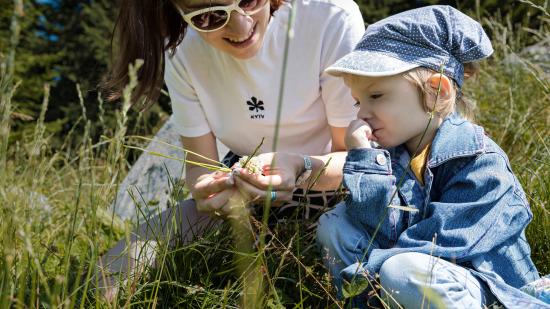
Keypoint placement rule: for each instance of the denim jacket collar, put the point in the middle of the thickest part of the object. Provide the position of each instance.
(455, 138)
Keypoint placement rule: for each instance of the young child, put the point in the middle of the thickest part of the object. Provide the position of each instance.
(448, 228)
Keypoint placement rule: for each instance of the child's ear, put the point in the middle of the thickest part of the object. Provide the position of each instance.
(438, 80)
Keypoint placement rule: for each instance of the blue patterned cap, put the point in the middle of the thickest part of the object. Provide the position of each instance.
(429, 37)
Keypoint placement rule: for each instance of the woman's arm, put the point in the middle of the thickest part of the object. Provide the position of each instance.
(331, 176)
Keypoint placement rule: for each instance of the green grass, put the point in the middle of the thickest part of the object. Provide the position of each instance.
(48, 254)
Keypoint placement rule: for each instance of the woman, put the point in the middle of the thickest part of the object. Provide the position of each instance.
(222, 63)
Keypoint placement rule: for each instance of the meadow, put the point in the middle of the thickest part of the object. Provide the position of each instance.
(54, 201)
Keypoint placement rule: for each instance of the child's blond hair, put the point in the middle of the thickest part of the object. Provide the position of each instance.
(457, 101)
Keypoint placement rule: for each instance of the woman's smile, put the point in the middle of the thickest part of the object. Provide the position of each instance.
(246, 41)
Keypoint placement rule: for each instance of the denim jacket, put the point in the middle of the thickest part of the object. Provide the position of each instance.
(471, 209)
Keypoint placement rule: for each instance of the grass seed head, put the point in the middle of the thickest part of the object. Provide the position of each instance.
(254, 165)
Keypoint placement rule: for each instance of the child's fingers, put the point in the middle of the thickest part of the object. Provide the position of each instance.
(360, 124)
(358, 134)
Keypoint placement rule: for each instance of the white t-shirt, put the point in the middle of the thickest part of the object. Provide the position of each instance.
(237, 99)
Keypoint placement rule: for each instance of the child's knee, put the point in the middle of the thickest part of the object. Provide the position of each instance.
(327, 227)
(337, 233)
(399, 269)
(408, 277)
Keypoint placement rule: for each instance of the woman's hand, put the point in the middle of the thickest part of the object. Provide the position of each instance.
(217, 194)
(212, 191)
(358, 135)
(282, 177)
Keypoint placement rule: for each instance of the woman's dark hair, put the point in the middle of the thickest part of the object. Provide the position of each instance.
(145, 29)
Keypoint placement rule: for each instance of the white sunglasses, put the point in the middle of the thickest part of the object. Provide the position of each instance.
(216, 17)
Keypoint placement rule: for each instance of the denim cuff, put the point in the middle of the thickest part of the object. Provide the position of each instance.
(368, 160)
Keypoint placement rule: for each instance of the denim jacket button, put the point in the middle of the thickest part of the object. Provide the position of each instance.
(381, 159)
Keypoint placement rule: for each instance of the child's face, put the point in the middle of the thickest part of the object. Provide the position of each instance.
(393, 108)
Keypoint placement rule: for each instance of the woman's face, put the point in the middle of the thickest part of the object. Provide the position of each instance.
(243, 35)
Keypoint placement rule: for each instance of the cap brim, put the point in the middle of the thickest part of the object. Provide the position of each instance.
(369, 63)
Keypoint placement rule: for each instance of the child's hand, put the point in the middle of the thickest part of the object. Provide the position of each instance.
(358, 135)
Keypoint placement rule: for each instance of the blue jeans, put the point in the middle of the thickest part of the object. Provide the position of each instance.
(414, 280)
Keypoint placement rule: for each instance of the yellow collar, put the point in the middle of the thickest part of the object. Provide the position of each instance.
(418, 163)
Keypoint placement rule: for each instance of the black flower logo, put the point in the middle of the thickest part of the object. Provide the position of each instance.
(254, 104)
